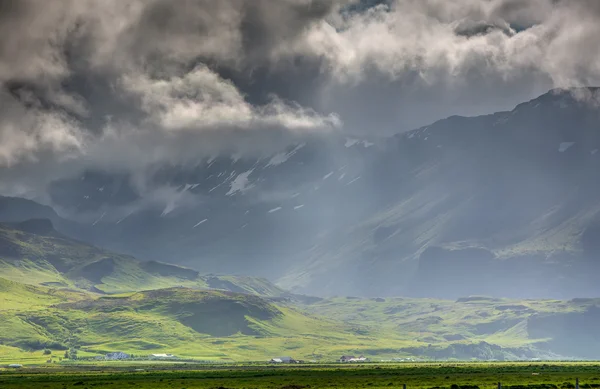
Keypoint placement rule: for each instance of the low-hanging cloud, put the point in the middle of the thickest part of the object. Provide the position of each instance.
(130, 83)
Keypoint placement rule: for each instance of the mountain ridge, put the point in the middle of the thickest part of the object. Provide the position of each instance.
(32, 251)
(517, 189)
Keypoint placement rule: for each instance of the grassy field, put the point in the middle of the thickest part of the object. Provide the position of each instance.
(438, 376)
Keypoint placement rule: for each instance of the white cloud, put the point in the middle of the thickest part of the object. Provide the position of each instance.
(202, 100)
(128, 84)
(27, 133)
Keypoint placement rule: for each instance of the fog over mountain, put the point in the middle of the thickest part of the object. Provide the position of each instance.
(314, 142)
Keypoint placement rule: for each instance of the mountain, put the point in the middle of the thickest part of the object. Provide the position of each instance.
(503, 204)
(251, 216)
(187, 322)
(223, 325)
(15, 209)
(475, 327)
(33, 252)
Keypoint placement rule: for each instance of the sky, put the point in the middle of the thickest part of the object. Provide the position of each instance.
(122, 85)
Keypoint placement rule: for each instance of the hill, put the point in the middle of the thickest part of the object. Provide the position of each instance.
(222, 325)
(475, 327)
(33, 252)
(190, 323)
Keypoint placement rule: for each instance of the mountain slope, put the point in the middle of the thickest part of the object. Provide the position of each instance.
(33, 252)
(217, 325)
(524, 327)
(190, 323)
(503, 204)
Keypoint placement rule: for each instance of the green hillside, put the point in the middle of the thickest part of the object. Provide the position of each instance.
(223, 325)
(190, 323)
(476, 326)
(17, 296)
(33, 252)
(62, 294)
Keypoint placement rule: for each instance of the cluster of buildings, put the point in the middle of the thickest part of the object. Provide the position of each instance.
(352, 358)
(118, 356)
(343, 359)
(284, 360)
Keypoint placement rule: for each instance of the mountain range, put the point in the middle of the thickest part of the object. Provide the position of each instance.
(504, 205)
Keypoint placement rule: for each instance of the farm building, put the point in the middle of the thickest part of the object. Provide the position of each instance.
(117, 356)
(162, 356)
(352, 358)
(283, 360)
(15, 366)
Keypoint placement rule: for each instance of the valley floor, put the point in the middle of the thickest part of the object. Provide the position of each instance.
(426, 375)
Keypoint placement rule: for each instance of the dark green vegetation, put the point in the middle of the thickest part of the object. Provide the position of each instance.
(462, 376)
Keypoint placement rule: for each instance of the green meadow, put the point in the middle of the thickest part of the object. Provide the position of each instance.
(429, 376)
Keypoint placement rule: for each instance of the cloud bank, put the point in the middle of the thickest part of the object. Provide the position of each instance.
(131, 83)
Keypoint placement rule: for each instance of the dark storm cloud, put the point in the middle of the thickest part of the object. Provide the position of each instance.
(123, 84)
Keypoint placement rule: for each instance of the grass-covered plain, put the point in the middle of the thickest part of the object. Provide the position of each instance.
(450, 376)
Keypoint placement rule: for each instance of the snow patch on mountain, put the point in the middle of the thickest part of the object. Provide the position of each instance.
(280, 158)
(200, 222)
(352, 142)
(99, 219)
(564, 146)
(124, 217)
(353, 181)
(168, 208)
(241, 183)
